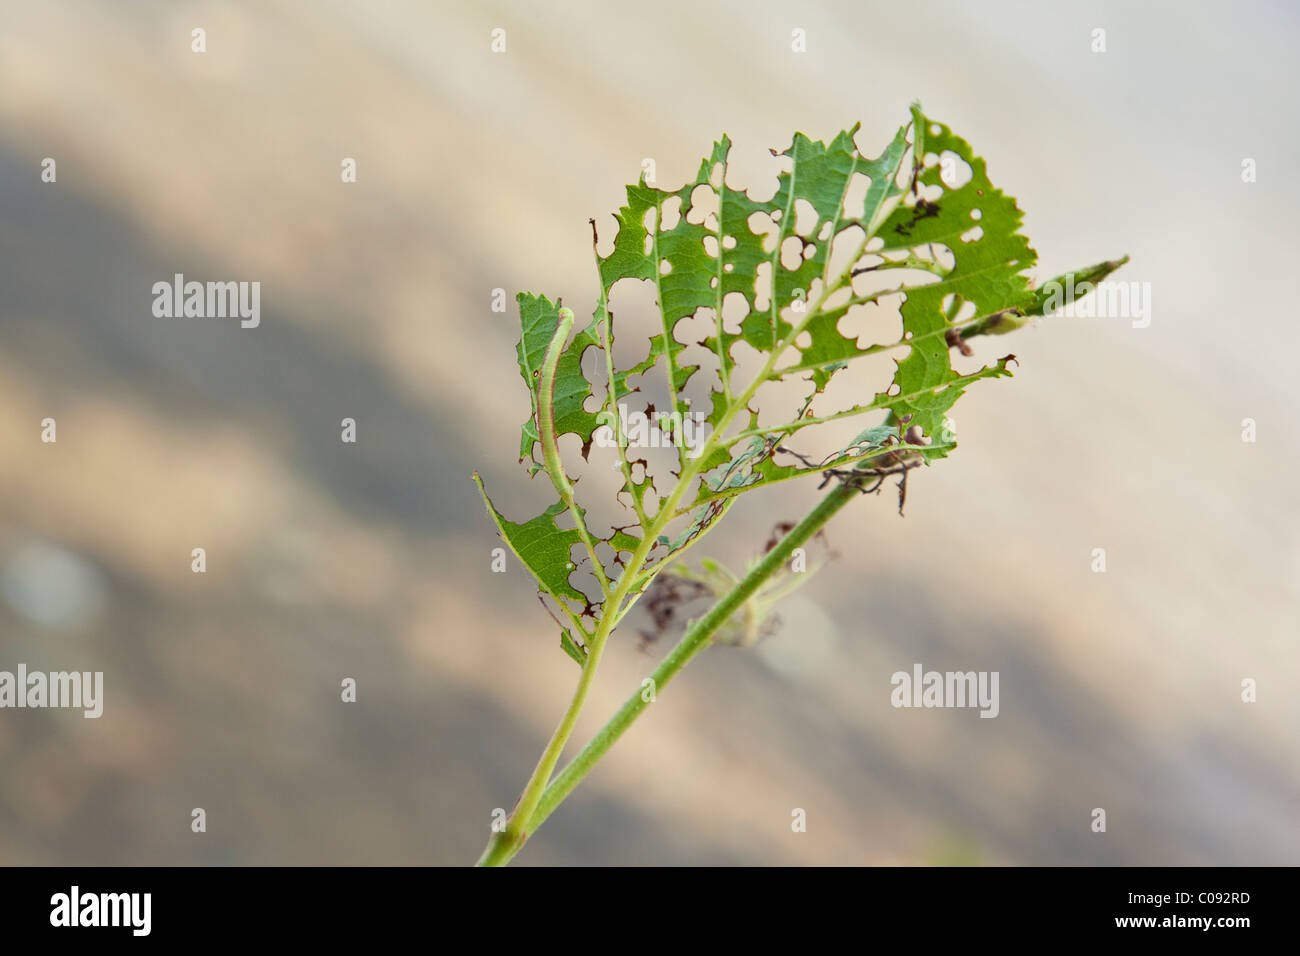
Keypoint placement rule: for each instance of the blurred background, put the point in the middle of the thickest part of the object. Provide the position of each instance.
(478, 171)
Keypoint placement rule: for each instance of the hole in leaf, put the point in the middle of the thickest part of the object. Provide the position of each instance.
(693, 327)
(704, 203)
(805, 218)
(844, 244)
(650, 501)
(855, 197)
(957, 309)
(748, 360)
(868, 325)
(763, 225)
(605, 553)
(791, 253)
(779, 401)
(763, 287)
(940, 254)
(593, 370)
(953, 170)
(636, 319)
(734, 309)
(671, 214)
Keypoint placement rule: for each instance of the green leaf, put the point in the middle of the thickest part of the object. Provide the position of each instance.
(571, 647)
(702, 258)
(543, 548)
(538, 319)
(919, 227)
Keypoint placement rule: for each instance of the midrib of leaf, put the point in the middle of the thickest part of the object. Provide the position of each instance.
(669, 361)
(888, 346)
(839, 463)
(611, 403)
(879, 402)
(780, 240)
(839, 209)
(720, 336)
(949, 279)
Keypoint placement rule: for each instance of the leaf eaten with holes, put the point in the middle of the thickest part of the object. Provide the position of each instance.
(914, 238)
(538, 318)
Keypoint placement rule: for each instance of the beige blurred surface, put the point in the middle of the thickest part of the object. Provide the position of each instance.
(478, 171)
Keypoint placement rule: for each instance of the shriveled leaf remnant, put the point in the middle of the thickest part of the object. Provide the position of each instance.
(917, 231)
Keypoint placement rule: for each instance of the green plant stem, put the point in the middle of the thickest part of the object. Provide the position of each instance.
(502, 847)
(505, 843)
